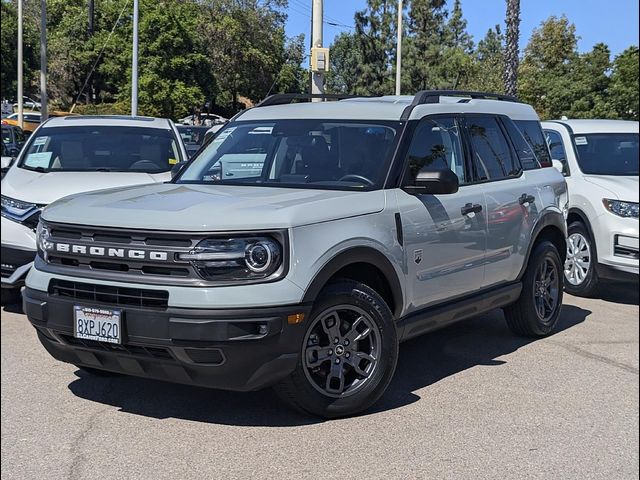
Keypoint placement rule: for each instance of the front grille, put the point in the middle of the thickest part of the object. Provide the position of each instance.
(12, 258)
(167, 270)
(110, 295)
(137, 350)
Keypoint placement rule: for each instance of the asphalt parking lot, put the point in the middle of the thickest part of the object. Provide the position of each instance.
(468, 402)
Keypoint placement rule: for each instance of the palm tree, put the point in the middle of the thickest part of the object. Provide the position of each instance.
(512, 49)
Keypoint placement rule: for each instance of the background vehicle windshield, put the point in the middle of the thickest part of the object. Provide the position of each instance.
(110, 148)
(608, 153)
(304, 153)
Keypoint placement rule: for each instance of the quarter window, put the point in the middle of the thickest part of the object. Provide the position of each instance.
(556, 147)
(436, 146)
(532, 132)
(492, 156)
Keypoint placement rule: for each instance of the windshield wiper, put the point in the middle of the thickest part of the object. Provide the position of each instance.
(36, 169)
(101, 169)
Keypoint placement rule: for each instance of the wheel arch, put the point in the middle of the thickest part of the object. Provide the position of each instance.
(552, 227)
(577, 215)
(363, 264)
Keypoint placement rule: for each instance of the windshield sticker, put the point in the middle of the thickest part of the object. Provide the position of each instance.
(581, 140)
(41, 159)
(222, 135)
(172, 161)
(40, 141)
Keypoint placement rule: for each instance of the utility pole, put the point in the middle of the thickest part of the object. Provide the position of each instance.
(20, 72)
(44, 99)
(399, 49)
(134, 62)
(317, 78)
(91, 17)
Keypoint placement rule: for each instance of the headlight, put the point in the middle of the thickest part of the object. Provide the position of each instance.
(620, 208)
(240, 258)
(17, 210)
(43, 239)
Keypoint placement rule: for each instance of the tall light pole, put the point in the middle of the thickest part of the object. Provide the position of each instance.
(134, 62)
(317, 78)
(20, 72)
(399, 49)
(44, 112)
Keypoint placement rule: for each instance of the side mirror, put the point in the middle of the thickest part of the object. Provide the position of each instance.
(558, 165)
(177, 168)
(434, 182)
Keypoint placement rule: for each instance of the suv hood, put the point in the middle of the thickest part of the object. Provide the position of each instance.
(211, 207)
(44, 188)
(620, 188)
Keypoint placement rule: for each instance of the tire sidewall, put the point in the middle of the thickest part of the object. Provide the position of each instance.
(350, 293)
(543, 251)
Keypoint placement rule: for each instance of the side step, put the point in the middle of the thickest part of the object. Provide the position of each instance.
(440, 316)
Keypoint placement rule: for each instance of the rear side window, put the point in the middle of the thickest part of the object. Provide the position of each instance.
(493, 158)
(532, 132)
(436, 145)
(524, 150)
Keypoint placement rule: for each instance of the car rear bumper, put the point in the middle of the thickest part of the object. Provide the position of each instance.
(229, 349)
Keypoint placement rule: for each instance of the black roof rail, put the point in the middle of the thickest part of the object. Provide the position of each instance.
(286, 98)
(433, 96)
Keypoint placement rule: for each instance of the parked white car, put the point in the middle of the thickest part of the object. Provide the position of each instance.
(599, 159)
(75, 154)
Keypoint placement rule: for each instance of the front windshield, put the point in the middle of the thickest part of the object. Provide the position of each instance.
(297, 153)
(608, 153)
(101, 148)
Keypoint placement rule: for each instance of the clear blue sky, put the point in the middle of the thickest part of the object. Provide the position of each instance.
(614, 22)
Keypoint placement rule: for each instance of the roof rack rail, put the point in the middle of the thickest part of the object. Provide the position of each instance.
(433, 96)
(286, 98)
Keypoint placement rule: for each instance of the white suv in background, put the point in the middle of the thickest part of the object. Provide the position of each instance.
(599, 159)
(74, 154)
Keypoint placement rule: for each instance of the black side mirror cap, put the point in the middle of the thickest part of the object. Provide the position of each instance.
(177, 168)
(434, 182)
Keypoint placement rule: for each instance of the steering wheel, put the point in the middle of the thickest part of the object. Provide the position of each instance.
(357, 178)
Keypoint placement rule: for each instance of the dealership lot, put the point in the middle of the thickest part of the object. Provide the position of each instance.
(470, 401)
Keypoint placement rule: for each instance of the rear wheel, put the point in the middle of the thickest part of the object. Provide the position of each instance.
(581, 277)
(537, 310)
(348, 355)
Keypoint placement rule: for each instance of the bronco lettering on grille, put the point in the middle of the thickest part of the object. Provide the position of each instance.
(110, 252)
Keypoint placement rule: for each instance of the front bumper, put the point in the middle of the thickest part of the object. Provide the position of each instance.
(229, 349)
(16, 263)
(617, 247)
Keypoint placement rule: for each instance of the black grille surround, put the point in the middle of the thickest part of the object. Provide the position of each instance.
(169, 271)
(109, 295)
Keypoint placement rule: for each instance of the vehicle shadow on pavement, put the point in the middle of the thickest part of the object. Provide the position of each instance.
(624, 293)
(423, 361)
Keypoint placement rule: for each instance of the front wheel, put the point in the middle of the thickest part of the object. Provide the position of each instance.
(581, 276)
(348, 355)
(537, 310)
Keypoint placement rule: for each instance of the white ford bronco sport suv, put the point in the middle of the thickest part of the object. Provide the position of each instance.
(304, 242)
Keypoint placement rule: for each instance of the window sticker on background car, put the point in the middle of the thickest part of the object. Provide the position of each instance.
(581, 140)
(41, 159)
(40, 141)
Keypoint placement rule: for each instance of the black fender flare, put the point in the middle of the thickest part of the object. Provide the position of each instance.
(549, 218)
(351, 256)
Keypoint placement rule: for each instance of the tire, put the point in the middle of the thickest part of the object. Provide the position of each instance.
(366, 330)
(524, 317)
(585, 251)
(94, 372)
(10, 296)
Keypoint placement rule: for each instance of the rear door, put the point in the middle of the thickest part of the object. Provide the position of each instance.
(444, 235)
(512, 200)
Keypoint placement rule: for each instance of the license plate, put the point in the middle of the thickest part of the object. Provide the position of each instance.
(98, 324)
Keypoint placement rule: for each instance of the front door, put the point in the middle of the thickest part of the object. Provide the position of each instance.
(444, 235)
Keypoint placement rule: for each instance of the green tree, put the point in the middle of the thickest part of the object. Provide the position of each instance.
(424, 52)
(293, 77)
(458, 66)
(488, 63)
(623, 89)
(346, 59)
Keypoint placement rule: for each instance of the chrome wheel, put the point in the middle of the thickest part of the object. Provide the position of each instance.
(578, 263)
(341, 351)
(546, 289)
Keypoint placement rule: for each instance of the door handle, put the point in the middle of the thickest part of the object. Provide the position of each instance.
(526, 198)
(471, 208)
